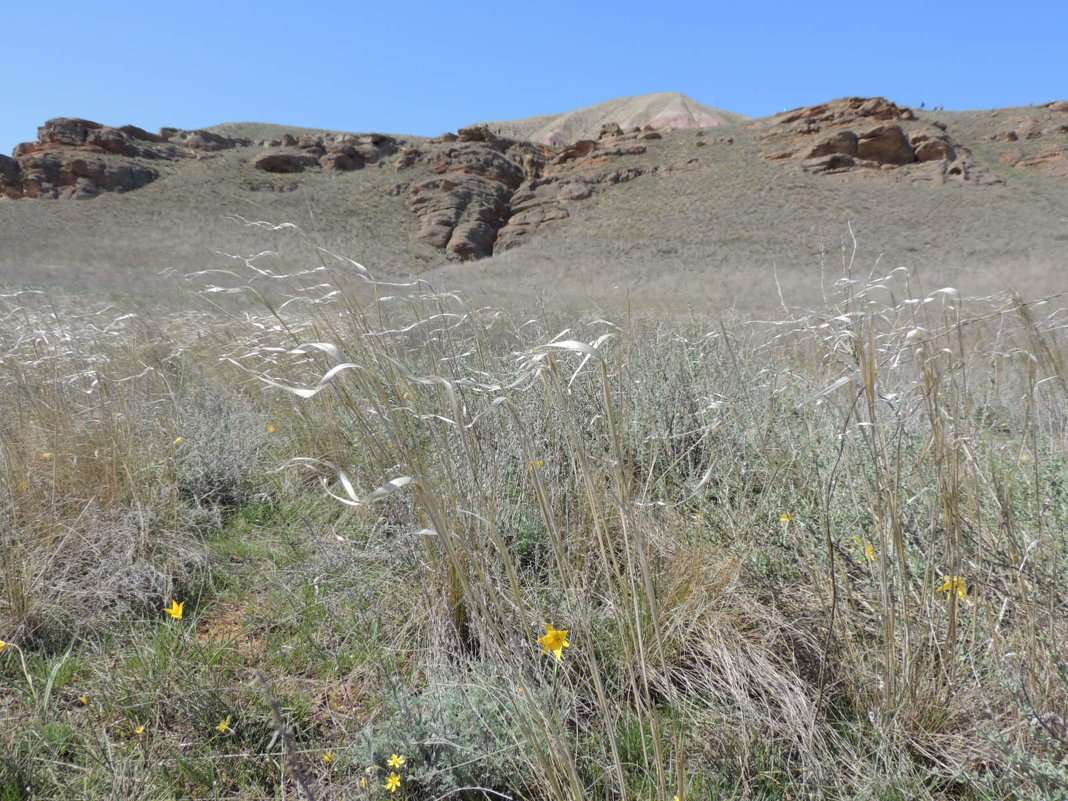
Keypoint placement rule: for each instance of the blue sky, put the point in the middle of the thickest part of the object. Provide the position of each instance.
(426, 67)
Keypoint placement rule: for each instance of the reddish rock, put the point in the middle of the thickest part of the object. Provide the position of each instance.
(10, 178)
(829, 162)
(476, 133)
(579, 150)
(931, 148)
(66, 172)
(610, 130)
(886, 144)
(471, 240)
(282, 162)
(840, 142)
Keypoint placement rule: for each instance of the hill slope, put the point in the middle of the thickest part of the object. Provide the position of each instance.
(730, 215)
(658, 111)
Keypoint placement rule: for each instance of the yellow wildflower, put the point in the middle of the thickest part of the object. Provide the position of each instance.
(175, 609)
(47, 455)
(555, 641)
(866, 547)
(178, 440)
(954, 584)
(84, 700)
(3, 645)
(396, 761)
(328, 757)
(536, 464)
(271, 429)
(139, 730)
(785, 517)
(393, 781)
(224, 726)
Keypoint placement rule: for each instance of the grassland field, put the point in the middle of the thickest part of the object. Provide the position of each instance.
(283, 530)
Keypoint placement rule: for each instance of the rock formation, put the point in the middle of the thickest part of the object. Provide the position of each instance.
(79, 159)
(859, 138)
(491, 194)
(337, 152)
(476, 192)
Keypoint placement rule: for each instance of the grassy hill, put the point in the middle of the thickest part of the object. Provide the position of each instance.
(687, 496)
(733, 232)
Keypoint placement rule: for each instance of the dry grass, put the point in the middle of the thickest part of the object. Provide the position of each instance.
(746, 529)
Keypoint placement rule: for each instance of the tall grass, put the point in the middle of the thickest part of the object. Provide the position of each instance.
(815, 557)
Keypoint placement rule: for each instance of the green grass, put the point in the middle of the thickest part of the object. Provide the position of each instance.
(692, 500)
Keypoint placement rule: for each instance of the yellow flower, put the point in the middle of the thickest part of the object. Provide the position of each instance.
(328, 757)
(785, 517)
(178, 440)
(396, 761)
(866, 547)
(224, 726)
(47, 455)
(3, 645)
(536, 464)
(555, 641)
(393, 781)
(84, 700)
(698, 516)
(954, 584)
(139, 730)
(271, 429)
(175, 609)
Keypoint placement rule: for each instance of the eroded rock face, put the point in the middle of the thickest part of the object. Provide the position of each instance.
(283, 162)
(80, 159)
(335, 152)
(869, 139)
(491, 194)
(10, 178)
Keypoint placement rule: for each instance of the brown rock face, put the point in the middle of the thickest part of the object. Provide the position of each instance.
(886, 144)
(80, 159)
(335, 152)
(66, 172)
(10, 178)
(841, 142)
(280, 162)
(869, 139)
(927, 147)
(491, 193)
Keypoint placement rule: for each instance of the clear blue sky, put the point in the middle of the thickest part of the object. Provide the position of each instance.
(426, 67)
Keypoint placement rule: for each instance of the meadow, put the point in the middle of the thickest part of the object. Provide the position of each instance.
(315, 535)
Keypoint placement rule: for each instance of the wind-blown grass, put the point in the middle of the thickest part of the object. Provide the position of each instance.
(820, 556)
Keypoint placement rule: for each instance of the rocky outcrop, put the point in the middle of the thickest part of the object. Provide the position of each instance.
(335, 152)
(870, 139)
(468, 201)
(10, 178)
(490, 193)
(283, 161)
(80, 159)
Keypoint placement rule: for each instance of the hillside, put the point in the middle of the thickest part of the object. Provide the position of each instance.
(731, 214)
(657, 111)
